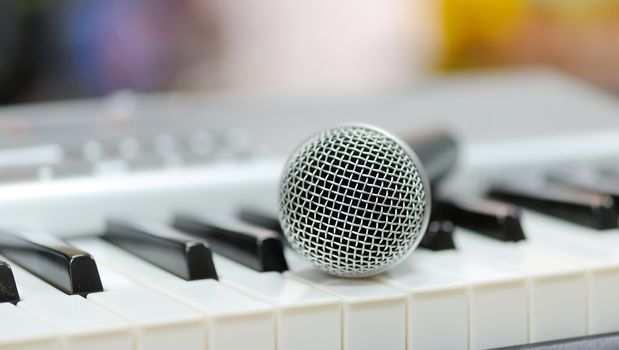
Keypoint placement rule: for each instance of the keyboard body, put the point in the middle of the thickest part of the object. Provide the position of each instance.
(66, 168)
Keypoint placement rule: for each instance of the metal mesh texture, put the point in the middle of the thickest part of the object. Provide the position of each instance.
(352, 201)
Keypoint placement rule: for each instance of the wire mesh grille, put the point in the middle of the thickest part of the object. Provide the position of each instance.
(352, 201)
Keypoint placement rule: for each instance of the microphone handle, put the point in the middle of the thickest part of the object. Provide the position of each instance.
(438, 153)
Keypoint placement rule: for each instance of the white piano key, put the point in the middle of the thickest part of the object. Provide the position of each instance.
(599, 249)
(307, 317)
(603, 316)
(556, 281)
(498, 311)
(168, 324)
(437, 306)
(159, 322)
(81, 324)
(21, 331)
(566, 235)
(28, 285)
(373, 314)
(233, 320)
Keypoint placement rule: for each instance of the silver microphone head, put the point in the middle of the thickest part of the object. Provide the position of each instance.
(354, 201)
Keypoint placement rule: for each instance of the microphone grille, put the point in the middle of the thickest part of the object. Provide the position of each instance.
(354, 201)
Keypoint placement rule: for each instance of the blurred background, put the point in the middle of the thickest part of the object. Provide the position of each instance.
(65, 49)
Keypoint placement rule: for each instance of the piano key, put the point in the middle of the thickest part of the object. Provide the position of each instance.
(307, 317)
(69, 269)
(167, 325)
(254, 247)
(20, 330)
(491, 218)
(82, 324)
(589, 209)
(608, 341)
(586, 179)
(373, 314)
(557, 281)
(437, 305)
(187, 257)
(599, 249)
(423, 334)
(158, 321)
(8, 288)
(260, 217)
(233, 320)
(438, 236)
(498, 310)
(30, 286)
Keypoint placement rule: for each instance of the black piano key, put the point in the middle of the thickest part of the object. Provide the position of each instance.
(251, 246)
(263, 218)
(587, 181)
(608, 341)
(8, 288)
(438, 236)
(595, 210)
(69, 269)
(186, 257)
(490, 218)
(260, 217)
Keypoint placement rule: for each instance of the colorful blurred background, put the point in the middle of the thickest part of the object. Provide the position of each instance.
(60, 49)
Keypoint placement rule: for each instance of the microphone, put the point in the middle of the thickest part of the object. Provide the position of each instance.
(355, 200)
(438, 153)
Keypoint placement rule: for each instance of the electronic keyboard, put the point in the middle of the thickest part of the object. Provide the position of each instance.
(150, 222)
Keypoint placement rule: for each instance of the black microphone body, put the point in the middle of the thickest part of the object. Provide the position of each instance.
(438, 153)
